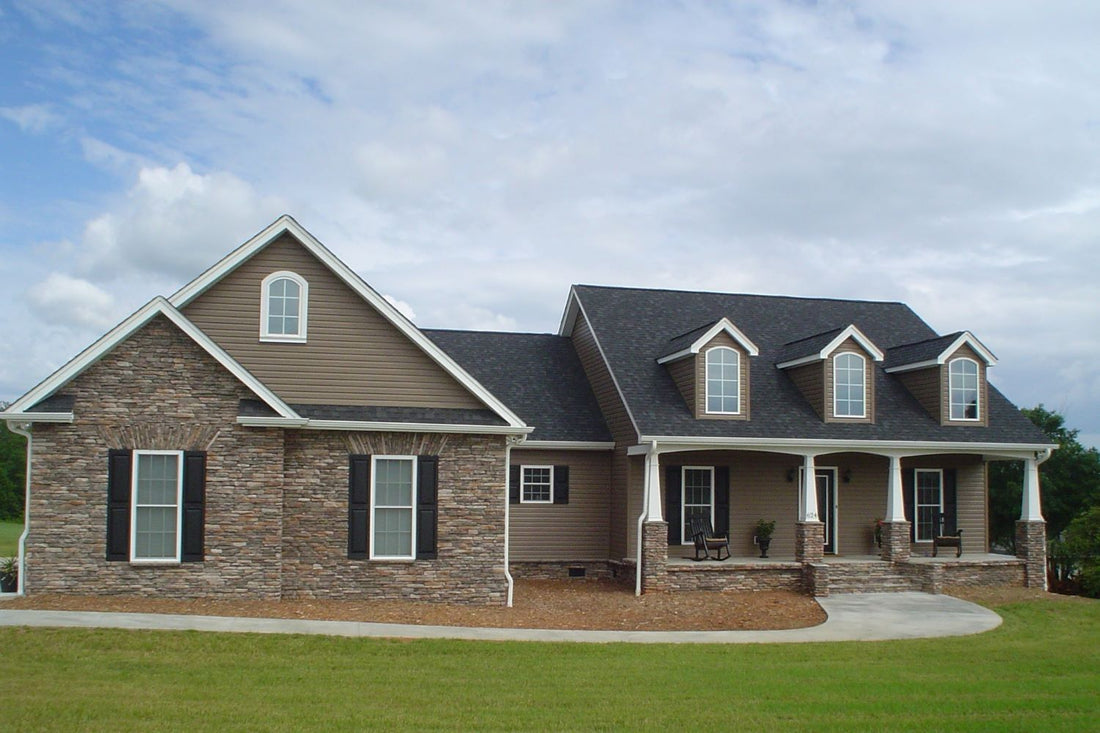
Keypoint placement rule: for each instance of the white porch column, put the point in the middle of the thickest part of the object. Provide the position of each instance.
(653, 484)
(1029, 509)
(895, 499)
(809, 491)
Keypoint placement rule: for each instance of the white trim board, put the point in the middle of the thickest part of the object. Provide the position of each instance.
(966, 338)
(849, 332)
(723, 325)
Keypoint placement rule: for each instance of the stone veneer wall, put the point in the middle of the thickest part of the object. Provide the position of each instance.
(809, 541)
(552, 570)
(471, 493)
(1031, 546)
(156, 390)
(654, 556)
(715, 576)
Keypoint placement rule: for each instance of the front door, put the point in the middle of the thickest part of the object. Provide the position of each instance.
(826, 505)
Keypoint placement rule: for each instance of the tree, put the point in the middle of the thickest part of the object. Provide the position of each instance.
(13, 467)
(1069, 479)
(1082, 545)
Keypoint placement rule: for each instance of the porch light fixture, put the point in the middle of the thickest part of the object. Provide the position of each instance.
(790, 475)
(847, 475)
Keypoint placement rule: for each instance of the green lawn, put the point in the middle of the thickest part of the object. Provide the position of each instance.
(9, 537)
(1039, 671)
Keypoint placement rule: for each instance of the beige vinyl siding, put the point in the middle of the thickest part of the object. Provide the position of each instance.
(971, 497)
(945, 388)
(575, 531)
(924, 385)
(860, 502)
(851, 345)
(354, 356)
(810, 380)
(722, 339)
(682, 372)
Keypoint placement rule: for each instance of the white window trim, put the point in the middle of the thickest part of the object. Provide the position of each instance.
(135, 457)
(916, 501)
(863, 361)
(977, 388)
(523, 486)
(686, 538)
(706, 381)
(303, 308)
(412, 507)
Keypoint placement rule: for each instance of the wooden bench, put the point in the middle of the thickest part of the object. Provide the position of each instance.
(705, 540)
(939, 539)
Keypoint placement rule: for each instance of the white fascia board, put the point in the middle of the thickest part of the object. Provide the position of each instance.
(21, 417)
(585, 445)
(369, 426)
(860, 338)
(287, 224)
(799, 362)
(569, 316)
(967, 338)
(913, 367)
(118, 334)
(723, 325)
(798, 446)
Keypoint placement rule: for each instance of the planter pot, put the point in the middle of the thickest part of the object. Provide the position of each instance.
(764, 545)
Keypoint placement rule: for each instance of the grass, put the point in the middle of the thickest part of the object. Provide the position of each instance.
(10, 529)
(1039, 671)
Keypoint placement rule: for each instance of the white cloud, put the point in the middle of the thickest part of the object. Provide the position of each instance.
(33, 118)
(68, 301)
(404, 308)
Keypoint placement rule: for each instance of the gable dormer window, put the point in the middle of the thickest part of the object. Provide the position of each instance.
(963, 389)
(284, 297)
(849, 385)
(723, 381)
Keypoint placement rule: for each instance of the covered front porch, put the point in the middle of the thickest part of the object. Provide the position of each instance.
(826, 507)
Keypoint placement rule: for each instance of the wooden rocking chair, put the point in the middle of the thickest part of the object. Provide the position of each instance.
(705, 539)
(939, 539)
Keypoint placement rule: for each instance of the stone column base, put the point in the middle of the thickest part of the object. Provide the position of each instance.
(809, 541)
(895, 541)
(654, 556)
(1031, 546)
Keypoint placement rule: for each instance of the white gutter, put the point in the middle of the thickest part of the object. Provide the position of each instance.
(567, 445)
(365, 425)
(29, 417)
(641, 519)
(799, 445)
(23, 429)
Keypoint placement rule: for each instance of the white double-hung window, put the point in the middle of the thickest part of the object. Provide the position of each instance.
(963, 388)
(723, 377)
(393, 507)
(849, 385)
(157, 495)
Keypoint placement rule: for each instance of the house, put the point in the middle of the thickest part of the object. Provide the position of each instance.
(276, 428)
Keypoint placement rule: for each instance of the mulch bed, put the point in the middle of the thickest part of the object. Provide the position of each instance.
(546, 604)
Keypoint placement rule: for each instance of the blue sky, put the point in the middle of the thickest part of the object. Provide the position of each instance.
(472, 160)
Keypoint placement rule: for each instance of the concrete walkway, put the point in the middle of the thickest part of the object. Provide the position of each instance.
(857, 617)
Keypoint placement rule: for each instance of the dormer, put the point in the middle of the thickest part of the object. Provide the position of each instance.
(947, 375)
(835, 372)
(710, 366)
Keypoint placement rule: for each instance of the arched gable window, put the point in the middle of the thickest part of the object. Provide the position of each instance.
(723, 381)
(963, 389)
(849, 385)
(284, 297)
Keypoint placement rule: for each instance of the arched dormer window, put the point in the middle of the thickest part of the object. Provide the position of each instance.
(723, 381)
(284, 297)
(849, 385)
(963, 389)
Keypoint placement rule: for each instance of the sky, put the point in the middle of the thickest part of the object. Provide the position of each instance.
(472, 160)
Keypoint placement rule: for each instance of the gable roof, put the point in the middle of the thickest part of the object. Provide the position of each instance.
(29, 406)
(287, 225)
(820, 346)
(694, 340)
(538, 375)
(634, 327)
(935, 351)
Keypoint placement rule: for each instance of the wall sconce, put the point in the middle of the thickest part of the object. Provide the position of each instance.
(790, 475)
(847, 475)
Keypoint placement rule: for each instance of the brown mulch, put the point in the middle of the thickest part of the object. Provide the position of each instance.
(545, 604)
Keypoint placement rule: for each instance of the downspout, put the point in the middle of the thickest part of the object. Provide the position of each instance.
(508, 443)
(24, 430)
(641, 519)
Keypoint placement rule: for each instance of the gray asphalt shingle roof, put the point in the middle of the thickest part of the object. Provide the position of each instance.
(920, 351)
(635, 326)
(538, 376)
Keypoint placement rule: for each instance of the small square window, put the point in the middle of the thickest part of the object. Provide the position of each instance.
(538, 485)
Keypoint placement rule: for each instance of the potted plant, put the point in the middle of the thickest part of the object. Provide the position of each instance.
(9, 575)
(763, 538)
(878, 533)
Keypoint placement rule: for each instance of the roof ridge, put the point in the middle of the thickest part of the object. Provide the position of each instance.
(929, 340)
(494, 333)
(768, 296)
(836, 329)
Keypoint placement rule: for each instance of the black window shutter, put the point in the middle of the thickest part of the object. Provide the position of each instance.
(513, 484)
(721, 499)
(950, 501)
(119, 473)
(908, 481)
(427, 511)
(673, 477)
(194, 505)
(358, 506)
(561, 484)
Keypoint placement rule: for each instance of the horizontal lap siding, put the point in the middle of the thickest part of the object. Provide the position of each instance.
(860, 501)
(573, 531)
(924, 384)
(850, 345)
(971, 492)
(964, 351)
(354, 356)
(810, 380)
(744, 389)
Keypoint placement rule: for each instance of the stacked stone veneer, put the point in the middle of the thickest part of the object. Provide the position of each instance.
(654, 557)
(276, 501)
(732, 576)
(469, 567)
(1031, 547)
(895, 541)
(156, 390)
(809, 541)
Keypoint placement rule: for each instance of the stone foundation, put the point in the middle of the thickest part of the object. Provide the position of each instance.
(654, 557)
(895, 541)
(809, 541)
(550, 570)
(1031, 547)
(727, 576)
(815, 579)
